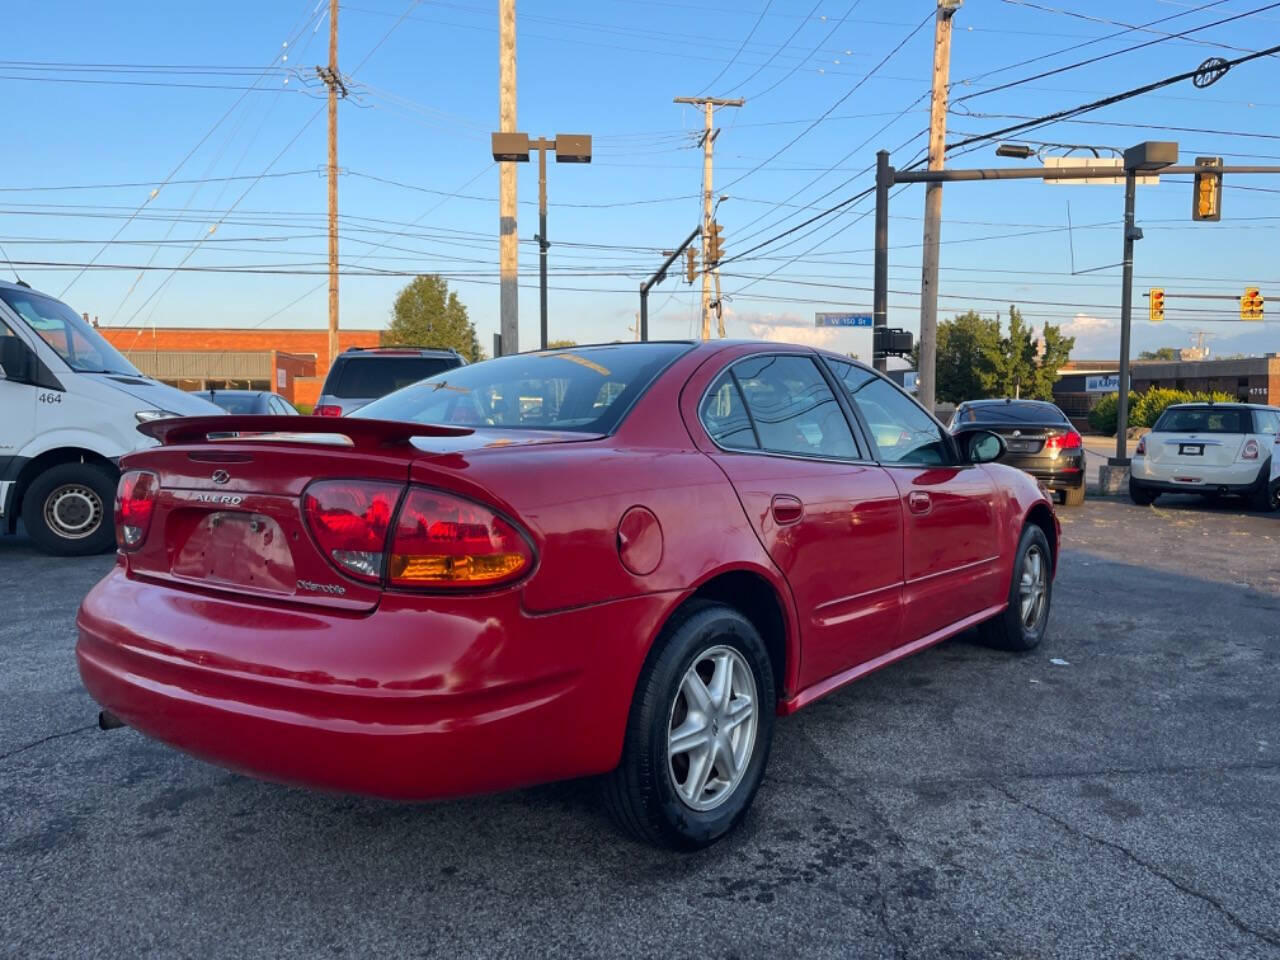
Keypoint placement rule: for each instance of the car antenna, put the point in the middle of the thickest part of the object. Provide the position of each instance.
(21, 282)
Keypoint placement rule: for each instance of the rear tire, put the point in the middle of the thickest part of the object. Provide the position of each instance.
(707, 690)
(67, 510)
(1141, 495)
(1266, 498)
(1073, 496)
(1022, 625)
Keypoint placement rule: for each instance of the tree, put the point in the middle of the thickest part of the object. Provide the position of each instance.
(1164, 353)
(427, 314)
(966, 346)
(975, 361)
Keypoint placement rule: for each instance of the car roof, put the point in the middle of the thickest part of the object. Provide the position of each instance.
(993, 401)
(234, 393)
(1228, 405)
(383, 352)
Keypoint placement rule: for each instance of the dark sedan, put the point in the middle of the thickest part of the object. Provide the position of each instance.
(250, 402)
(1040, 438)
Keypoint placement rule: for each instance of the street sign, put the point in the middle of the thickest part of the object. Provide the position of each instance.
(842, 320)
(1104, 164)
(1109, 383)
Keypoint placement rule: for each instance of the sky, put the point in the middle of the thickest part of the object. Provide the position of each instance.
(147, 135)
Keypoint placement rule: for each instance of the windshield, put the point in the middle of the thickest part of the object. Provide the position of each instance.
(588, 389)
(233, 402)
(1015, 411)
(362, 377)
(1202, 420)
(80, 346)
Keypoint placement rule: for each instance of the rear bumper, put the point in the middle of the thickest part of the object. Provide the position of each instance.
(1237, 478)
(419, 699)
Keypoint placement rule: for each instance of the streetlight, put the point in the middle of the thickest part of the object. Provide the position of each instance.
(568, 148)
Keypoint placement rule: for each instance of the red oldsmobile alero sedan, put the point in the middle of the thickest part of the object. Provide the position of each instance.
(621, 559)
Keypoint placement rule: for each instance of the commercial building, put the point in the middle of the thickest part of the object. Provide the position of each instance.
(292, 363)
(1081, 384)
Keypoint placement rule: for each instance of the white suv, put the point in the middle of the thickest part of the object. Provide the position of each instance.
(1210, 449)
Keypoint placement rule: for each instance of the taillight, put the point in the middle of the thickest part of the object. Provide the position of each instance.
(350, 520)
(1066, 441)
(135, 503)
(327, 410)
(445, 541)
(1141, 449)
(1250, 451)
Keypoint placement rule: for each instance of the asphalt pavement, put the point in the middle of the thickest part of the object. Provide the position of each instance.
(1116, 793)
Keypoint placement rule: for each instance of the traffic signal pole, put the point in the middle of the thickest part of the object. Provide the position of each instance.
(1121, 458)
(659, 275)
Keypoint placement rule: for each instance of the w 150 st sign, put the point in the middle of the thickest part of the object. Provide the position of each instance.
(842, 319)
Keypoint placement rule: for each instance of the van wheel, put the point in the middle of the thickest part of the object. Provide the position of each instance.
(67, 510)
(1022, 625)
(699, 731)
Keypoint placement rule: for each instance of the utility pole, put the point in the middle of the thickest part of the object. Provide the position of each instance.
(508, 237)
(1121, 459)
(333, 80)
(925, 375)
(708, 105)
(880, 302)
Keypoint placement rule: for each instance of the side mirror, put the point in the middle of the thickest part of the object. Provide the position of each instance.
(17, 360)
(981, 446)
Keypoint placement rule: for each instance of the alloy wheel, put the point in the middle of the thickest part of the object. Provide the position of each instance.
(1033, 587)
(711, 732)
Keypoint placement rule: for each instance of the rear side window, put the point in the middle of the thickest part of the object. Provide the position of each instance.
(1203, 420)
(1266, 421)
(362, 377)
(792, 408)
(725, 416)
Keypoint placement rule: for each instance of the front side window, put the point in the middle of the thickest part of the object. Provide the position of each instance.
(901, 430)
(81, 347)
(792, 408)
(588, 389)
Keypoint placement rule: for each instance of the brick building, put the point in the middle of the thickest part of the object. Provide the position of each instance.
(292, 363)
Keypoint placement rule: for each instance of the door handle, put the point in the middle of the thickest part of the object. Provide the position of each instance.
(919, 502)
(787, 509)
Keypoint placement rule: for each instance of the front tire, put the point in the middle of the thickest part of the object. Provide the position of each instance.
(67, 510)
(699, 732)
(1022, 625)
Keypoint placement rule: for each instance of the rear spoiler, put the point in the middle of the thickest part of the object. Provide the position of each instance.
(359, 433)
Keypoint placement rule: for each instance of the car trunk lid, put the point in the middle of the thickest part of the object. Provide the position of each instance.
(228, 516)
(1193, 449)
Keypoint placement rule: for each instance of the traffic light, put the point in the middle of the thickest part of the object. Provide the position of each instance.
(1155, 303)
(691, 264)
(1206, 194)
(891, 342)
(1251, 304)
(714, 247)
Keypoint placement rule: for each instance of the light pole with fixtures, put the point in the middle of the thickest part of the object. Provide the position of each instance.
(568, 148)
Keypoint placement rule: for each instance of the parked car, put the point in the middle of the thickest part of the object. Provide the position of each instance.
(360, 375)
(69, 406)
(1210, 449)
(1039, 437)
(250, 402)
(632, 576)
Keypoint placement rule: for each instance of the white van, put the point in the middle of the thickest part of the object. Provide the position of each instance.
(70, 406)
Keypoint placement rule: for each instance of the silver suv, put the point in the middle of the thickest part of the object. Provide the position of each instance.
(360, 375)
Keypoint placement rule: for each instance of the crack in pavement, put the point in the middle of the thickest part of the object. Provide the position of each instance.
(42, 740)
(1152, 869)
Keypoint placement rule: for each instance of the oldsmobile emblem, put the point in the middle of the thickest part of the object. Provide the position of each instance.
(221, 476)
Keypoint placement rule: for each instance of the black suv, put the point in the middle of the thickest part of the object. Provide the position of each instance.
(360, 374)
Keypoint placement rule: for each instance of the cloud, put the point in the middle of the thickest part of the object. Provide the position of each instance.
(783, 328)
(1083, 325)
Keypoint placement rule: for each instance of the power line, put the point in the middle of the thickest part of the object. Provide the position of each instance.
(1124, 50)
(786, 43)
(734, 59)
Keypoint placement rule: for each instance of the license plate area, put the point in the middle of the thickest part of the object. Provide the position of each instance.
(1191, 449)
(1022, 446)
(239, 549)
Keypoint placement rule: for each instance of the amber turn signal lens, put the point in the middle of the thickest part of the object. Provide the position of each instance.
(446, 541)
